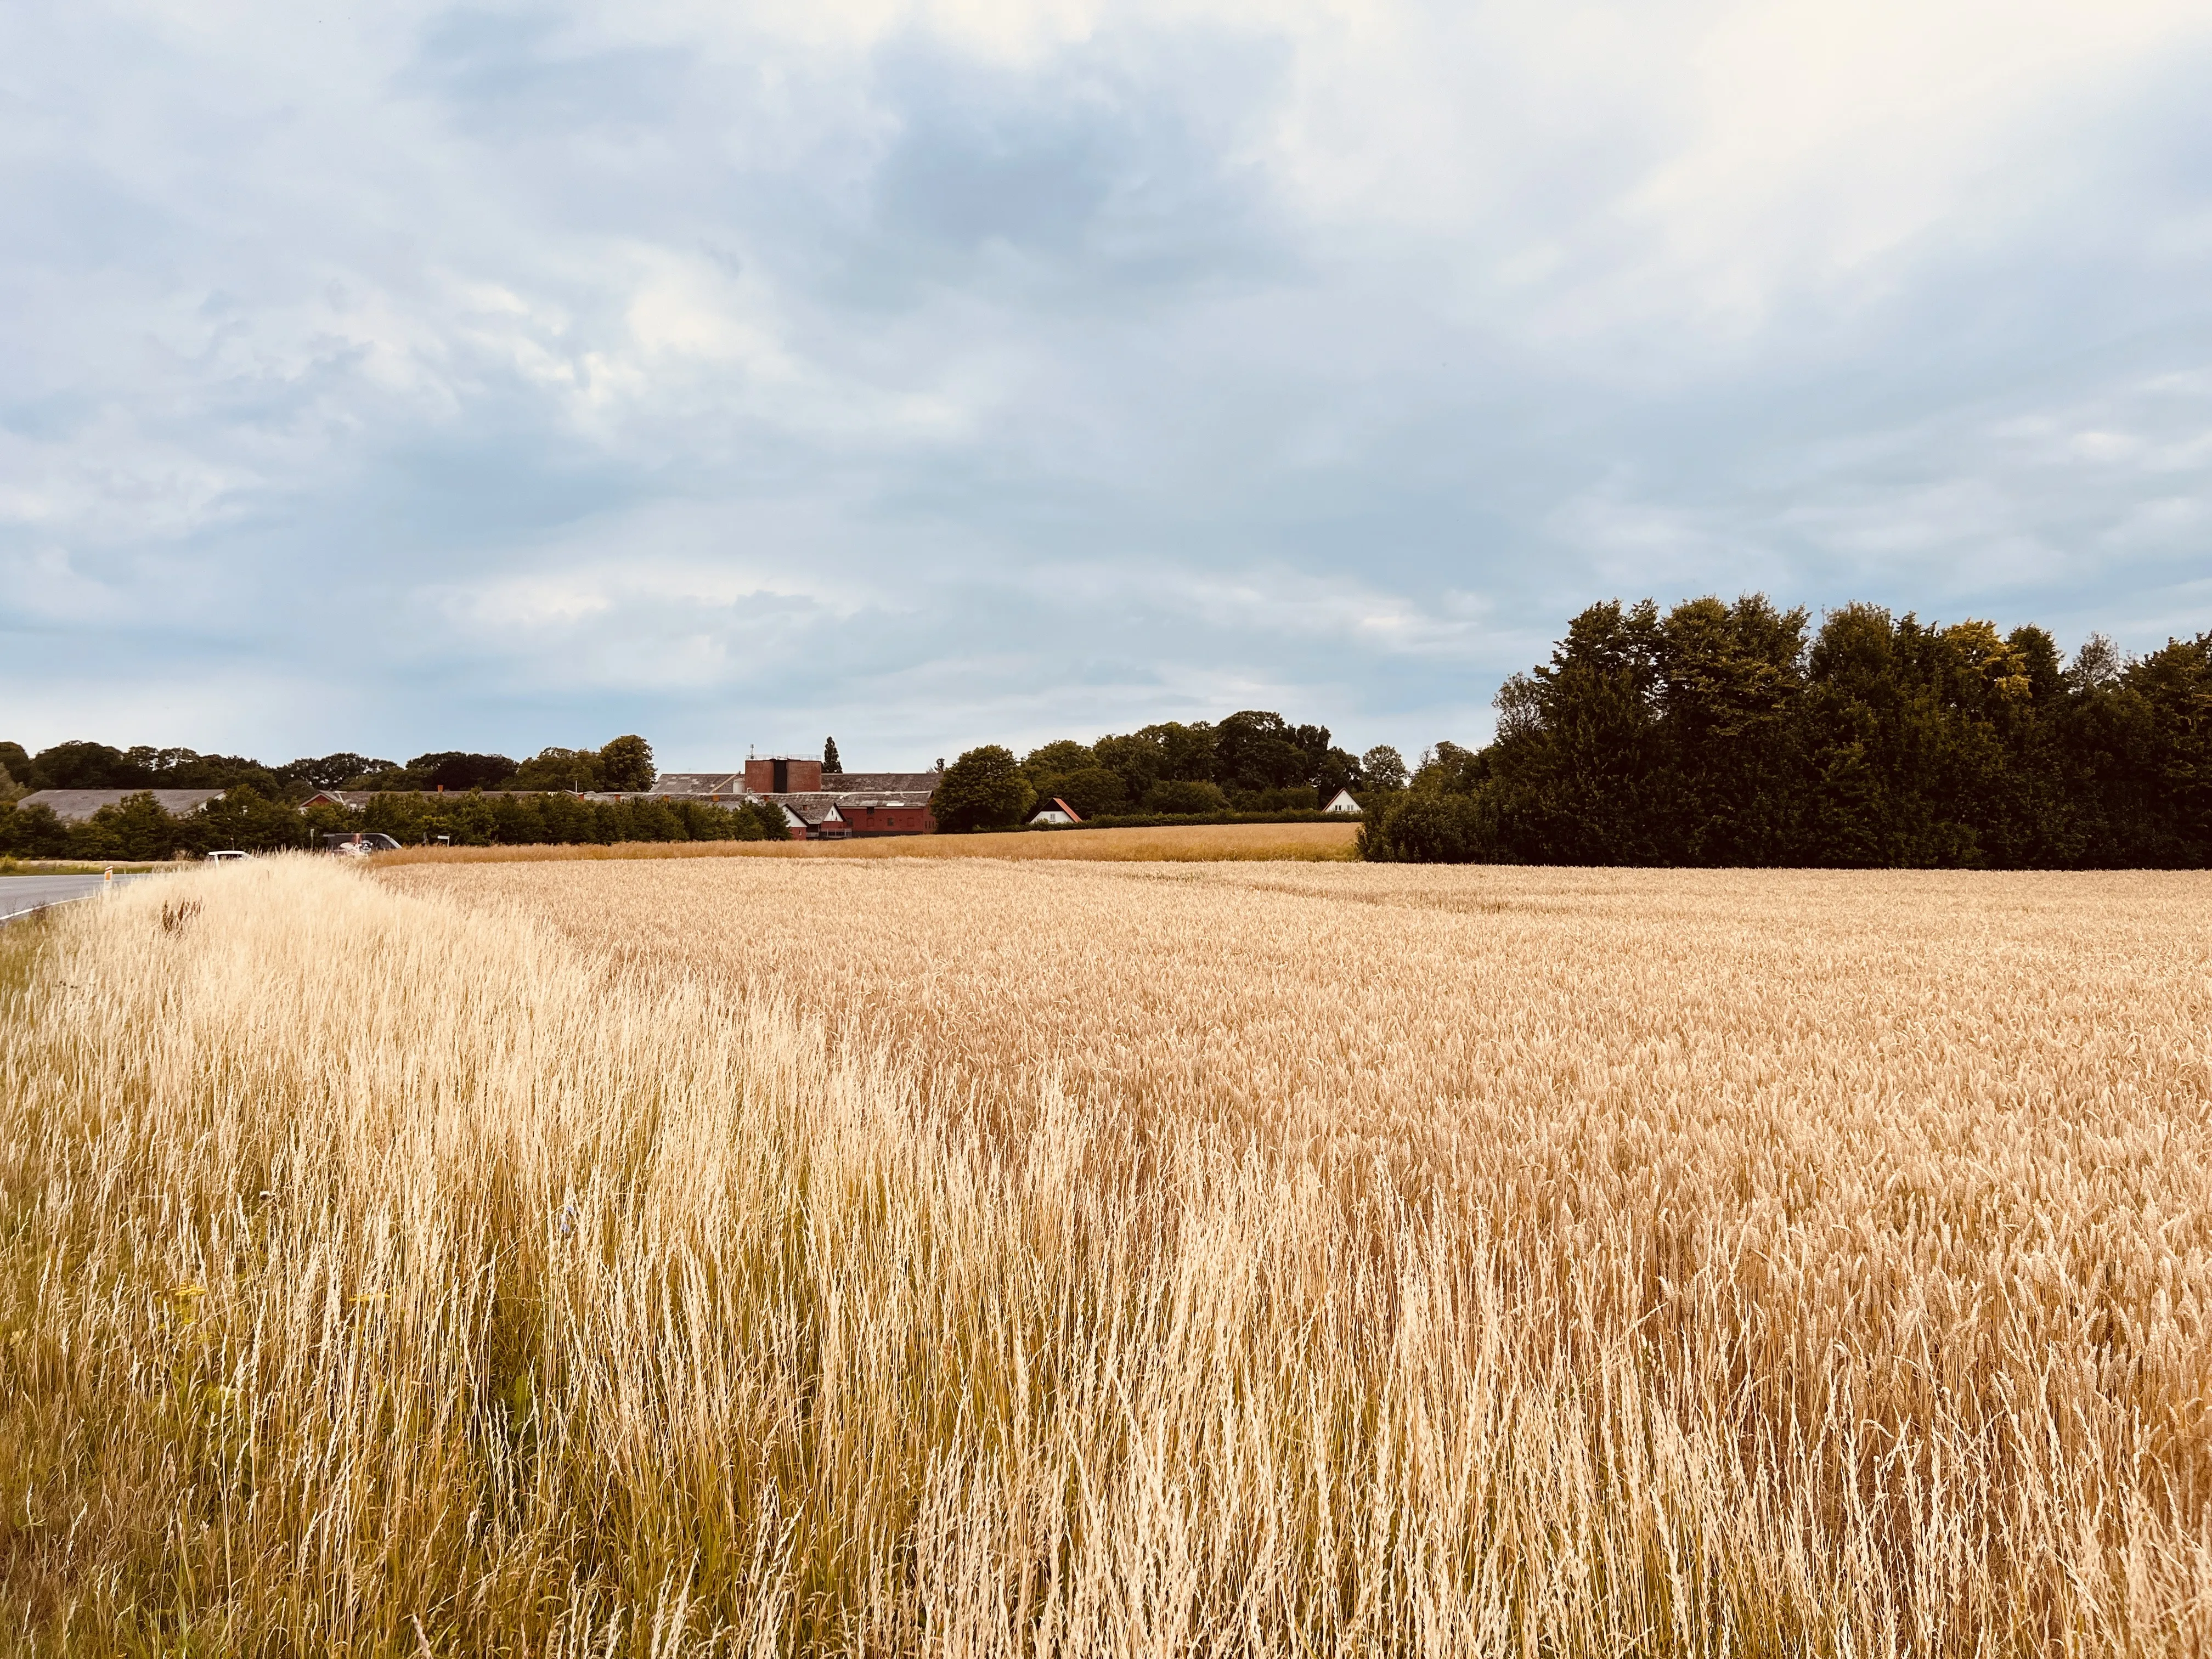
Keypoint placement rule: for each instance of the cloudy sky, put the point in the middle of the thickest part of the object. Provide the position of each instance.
(401, 376)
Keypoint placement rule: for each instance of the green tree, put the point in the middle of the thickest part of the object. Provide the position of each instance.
(1184, 751)
(626, 765)
(1382, 770)
(830, 760)
(133, 828)
(1257, 749)
(1049, 766)
(1093, 792)
(31, 832)
(1134, 760)
(1184, 796)
(1336, 769)
(984, 789)
(330, 771)
(768, 819)
(80, 764)
(558, 768)
(248, 820)
(457, 770)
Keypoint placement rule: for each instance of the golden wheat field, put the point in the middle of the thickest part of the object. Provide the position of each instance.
(1158, 843)
(896, 1256)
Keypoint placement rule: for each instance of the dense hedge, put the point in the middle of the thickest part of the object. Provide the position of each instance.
(1722, 735)
(137, 828)
(555, 819)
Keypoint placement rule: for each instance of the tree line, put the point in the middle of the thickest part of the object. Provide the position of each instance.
(1735, 734)
(1251, 762)
(260, 810)
(623, 766)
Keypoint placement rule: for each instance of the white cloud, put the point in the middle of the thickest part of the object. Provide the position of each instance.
(1222, 347)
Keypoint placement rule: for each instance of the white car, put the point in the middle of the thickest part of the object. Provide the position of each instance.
(228, 857)
(360, 844)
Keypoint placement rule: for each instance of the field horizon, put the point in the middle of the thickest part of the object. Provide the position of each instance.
(948, 1255)
(1194, 843)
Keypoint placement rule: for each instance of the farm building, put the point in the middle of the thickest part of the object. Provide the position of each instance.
(1342, 802)
(820, 806)
(1056, 810)
(77, 805)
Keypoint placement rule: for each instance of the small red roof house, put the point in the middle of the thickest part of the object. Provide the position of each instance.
(1057, 811)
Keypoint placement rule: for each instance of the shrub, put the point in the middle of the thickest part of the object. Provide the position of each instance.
(1428, 828)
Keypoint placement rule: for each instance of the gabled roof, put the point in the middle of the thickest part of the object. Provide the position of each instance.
(77, 805)
(1342, 802)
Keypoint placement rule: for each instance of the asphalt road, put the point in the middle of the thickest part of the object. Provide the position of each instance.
(21, 895)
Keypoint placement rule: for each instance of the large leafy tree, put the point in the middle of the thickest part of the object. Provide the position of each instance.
(558, 768)
(1258, 749)
(1382, 770)
(83, 765)
(1050, 767)
(1093, 792)
(456, 770)
(984, 789)
(331, 771)
(626, 765)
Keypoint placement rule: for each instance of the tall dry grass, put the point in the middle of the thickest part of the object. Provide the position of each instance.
(900, 1257)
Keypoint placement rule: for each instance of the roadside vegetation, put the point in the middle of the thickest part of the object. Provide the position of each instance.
(892, 1256)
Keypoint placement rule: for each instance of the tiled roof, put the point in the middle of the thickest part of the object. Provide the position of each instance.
(700, 783)
(811, 807)
(901, 784)
(813, 803)
(76, 806)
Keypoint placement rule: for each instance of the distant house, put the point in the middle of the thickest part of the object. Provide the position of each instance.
(77, 805)
(1058, 812)
(1342, 802)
